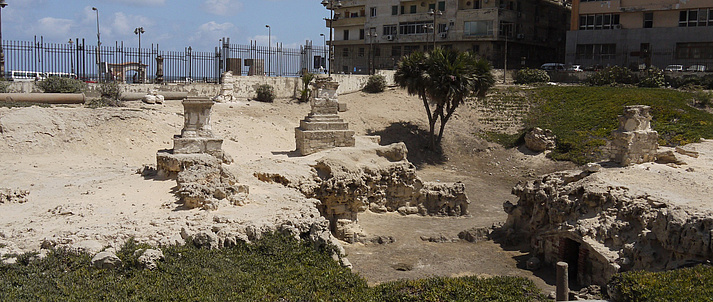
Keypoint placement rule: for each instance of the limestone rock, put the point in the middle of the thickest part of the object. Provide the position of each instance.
(539, 140)
(149, 257)
(13, 195)
(106, 260)
(475, 234)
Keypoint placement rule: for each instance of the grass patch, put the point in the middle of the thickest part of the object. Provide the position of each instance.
(687, 284)
(22, 104)
(584, 117)
(275, 268)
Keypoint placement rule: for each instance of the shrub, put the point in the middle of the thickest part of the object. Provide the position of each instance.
(265, 93)
(652, 77)
(61, 85)
(110, 96)
(611, 76)
(4, 85)
(687, 284)
(375, 84)
(529, 76)
(702, 99)
(306, 93)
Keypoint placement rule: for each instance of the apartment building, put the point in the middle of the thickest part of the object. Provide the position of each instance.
(375, 34)
(635, 33)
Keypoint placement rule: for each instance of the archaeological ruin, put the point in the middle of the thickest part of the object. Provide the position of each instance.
(323, 128)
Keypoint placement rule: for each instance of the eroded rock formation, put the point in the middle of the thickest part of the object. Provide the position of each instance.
(600, 228)
(379, 178)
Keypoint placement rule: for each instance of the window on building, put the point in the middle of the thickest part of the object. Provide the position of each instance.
(432, 6)
(648, 20)
(442, 6)
(372, 12)
(389, 29)
(409, 49)
(412, 9)
(345, 52)
(396, 51)
(699, 50)
(377, 51)
(598, 21)
(394, 10)
(410, 28)
(403, 9)
(361, 34)
(476, 4)
(442, 28)
(475, 49)
(596, 51)
(478, 28)
(361, 52)
(346, 34)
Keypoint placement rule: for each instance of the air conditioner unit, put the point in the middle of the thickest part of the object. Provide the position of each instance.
(617, 26)
(521, 36)
(390, 37)
(444, 35)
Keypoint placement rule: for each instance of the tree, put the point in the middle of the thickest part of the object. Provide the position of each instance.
(443, 79)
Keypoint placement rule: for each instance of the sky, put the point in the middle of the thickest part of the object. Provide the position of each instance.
(172, 24)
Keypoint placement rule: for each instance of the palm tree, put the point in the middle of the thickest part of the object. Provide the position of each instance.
(444, 79)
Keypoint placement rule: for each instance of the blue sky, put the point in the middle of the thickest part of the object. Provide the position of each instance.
(173, 24)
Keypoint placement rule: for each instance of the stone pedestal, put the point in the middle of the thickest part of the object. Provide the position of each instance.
(634, 142)
(323, 129)
(196, 135)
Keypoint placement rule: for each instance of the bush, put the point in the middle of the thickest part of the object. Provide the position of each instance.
(61, 85)
(529, 76)
(110, 96)
(4, 85)
(687, 284)
(375, 84)
(652, 77)
(306, 93)
(265, 93)
(611, 76)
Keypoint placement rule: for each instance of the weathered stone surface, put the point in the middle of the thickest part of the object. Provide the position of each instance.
(539, 140)
(205, 185)
(106, 260)
(227, 89)
(380, 178)
(476, 234)
(610, 228)
(322, 129)
(13, 195)
(634, 142)
(149, 257)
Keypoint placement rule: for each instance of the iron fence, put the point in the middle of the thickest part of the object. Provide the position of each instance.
(123, 63)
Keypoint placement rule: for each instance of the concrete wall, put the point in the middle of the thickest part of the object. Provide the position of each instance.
(285, 87)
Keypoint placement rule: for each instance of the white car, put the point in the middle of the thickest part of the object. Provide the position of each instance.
(697, 68)
(674, 68)
(575, 68)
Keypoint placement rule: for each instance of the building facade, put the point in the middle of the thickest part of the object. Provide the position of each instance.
(375, 34)
(637, 33)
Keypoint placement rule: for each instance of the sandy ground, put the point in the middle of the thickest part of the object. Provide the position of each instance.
(79, 166)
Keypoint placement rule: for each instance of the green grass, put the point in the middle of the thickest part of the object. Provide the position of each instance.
(275, 268)
(688, 284)
(583, 118)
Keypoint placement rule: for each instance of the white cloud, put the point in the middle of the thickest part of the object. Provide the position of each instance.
(209, 33)
(53, 28)
(222, 7)
(123, 25)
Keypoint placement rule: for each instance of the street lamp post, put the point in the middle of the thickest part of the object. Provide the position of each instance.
(139, 31)
(506, 28)
(372, 36)
(324, 42)
(99, 44)
(2, 49)
(434, 14)
(331, 5)
(71, 59)
(269, 50)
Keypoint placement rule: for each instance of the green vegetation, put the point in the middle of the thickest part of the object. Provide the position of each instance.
(652, 77)
(443, 79)
(530, 76)
(4, 85)
(275, 268)
(584, 117)
(375, 84)
(265, 93)
(612, 76)
(688, 284)
(306, 92)
(110, 96)
(61, 85)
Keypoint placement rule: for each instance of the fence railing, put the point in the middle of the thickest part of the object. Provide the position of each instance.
(83, 60)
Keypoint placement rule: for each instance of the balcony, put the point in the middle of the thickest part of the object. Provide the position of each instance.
(343, 22)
